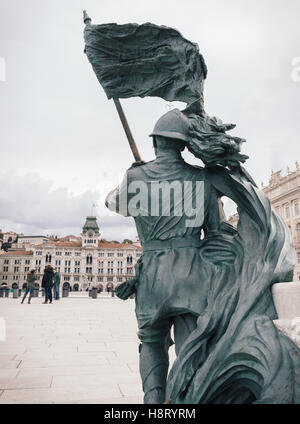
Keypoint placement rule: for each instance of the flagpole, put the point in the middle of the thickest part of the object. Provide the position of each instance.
(87, 20)
(127, 130)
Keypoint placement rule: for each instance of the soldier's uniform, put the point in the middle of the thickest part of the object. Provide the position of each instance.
(171, 286)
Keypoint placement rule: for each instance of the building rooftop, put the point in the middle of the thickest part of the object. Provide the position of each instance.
(106, 245)
(20, 237)
(18, 253)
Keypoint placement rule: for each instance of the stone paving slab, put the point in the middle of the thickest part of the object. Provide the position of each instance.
(77, 350)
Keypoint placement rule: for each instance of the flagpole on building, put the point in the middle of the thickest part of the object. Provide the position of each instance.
(87, 20)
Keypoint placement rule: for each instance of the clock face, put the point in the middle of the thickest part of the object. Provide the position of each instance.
(90, 235)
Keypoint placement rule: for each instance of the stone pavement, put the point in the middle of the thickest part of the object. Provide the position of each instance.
(76, 350)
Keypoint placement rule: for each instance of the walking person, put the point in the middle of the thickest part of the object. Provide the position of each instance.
(30, 285)
(56, 281)
(47, 283)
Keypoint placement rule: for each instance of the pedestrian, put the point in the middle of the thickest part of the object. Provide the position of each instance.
(56, 281)
(47, 283)
(30, 285)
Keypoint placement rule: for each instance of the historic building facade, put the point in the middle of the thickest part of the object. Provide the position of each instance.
(83, 261)
(284, 195)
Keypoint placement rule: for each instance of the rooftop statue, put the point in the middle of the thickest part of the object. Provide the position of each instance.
(198, 274)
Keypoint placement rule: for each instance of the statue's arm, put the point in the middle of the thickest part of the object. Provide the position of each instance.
(238, 185)
(116, 200)
(212, 215)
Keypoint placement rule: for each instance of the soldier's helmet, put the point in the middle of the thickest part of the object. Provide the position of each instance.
(174, 124)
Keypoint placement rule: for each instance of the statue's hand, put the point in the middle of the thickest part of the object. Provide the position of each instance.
(138, 163)
(125, 290)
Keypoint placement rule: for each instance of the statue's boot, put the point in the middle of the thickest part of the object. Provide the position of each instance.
(154, 364)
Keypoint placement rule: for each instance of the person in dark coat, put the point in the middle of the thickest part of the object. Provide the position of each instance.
(47, 283)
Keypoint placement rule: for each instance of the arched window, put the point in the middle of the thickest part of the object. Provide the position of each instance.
(298, 232)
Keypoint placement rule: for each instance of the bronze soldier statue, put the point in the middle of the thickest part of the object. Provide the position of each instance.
(198, 276)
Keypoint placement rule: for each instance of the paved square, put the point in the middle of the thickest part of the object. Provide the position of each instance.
(76, 350)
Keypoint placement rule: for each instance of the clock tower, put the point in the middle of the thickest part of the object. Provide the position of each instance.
(90, 232)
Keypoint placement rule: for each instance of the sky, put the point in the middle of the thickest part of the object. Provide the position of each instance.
(62, 145)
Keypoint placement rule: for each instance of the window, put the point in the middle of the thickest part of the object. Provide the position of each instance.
(110, 264)
(296, 208)
(100, 270)
(119, 279)
(68, 253)
(110, 279)
(138, 255)
(120, 263)
(110, 254)
(287, 211)
(38, 253)
(16, 269)
(88, 270)
(67, 263)
(298, 257)
(120, 254)
(17, 261)
(89, 260)
(58, 253)
(119, 271)
(48, 258)
(110, 271)
(5, 269)
(76, 278)
(6, 261)
(129, 260)
(101, 254)
(298, 232)
(27, 261)
(100, 279)
(26, 269)
(66, 278)
(57, 262)
(77, 263)
(77, 253)
(38, 262)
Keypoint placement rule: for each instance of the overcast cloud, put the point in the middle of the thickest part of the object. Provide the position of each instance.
(62, 145)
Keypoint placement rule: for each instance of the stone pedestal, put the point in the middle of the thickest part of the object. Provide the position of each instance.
(287, 302)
